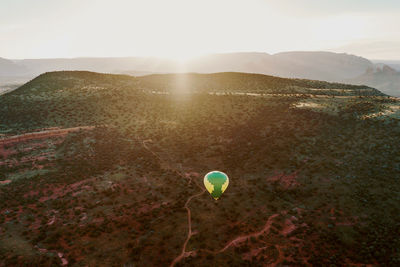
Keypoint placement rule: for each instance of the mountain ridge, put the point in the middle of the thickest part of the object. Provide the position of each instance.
(316, 65)
(208, 83)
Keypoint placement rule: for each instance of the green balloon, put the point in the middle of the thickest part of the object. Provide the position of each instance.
(216, 183)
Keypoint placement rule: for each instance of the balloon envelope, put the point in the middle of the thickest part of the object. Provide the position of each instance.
(216, 183)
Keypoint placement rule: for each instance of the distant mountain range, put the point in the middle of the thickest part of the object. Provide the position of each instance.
(326, 66)
(386, 78)
(395, 64)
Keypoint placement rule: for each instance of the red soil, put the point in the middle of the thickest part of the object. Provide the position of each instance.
(287, 181)
(146, 208)
(41, 135)
(61, 190)
(8, 146)
(288, 226)
(64, 261)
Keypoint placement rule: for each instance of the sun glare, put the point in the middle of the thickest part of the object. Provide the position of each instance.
(183, 29)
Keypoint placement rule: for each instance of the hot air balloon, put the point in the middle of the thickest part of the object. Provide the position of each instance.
(216, 183)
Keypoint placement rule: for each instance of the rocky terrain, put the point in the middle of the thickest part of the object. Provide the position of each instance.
(107, 170)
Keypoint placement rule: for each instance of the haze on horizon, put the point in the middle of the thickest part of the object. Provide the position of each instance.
(182, 29)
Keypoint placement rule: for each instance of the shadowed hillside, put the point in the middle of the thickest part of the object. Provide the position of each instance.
(106, 170)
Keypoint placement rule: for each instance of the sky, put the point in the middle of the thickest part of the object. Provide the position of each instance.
(182, 29)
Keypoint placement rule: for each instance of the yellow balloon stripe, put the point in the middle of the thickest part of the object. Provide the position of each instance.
(209, 186)
(225, 185)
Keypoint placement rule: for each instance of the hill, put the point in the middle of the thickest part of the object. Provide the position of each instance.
(318, 65)
(29, 107)
(99, 169)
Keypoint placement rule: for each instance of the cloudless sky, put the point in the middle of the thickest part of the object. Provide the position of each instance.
(186, 28)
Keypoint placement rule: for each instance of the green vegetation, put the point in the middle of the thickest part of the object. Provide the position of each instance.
(313, 163)
(86, 98)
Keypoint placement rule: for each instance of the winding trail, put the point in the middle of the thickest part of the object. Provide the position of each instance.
(234, 242)
(148, 149)
(185, 253)
(231, 243)
(243, 238)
